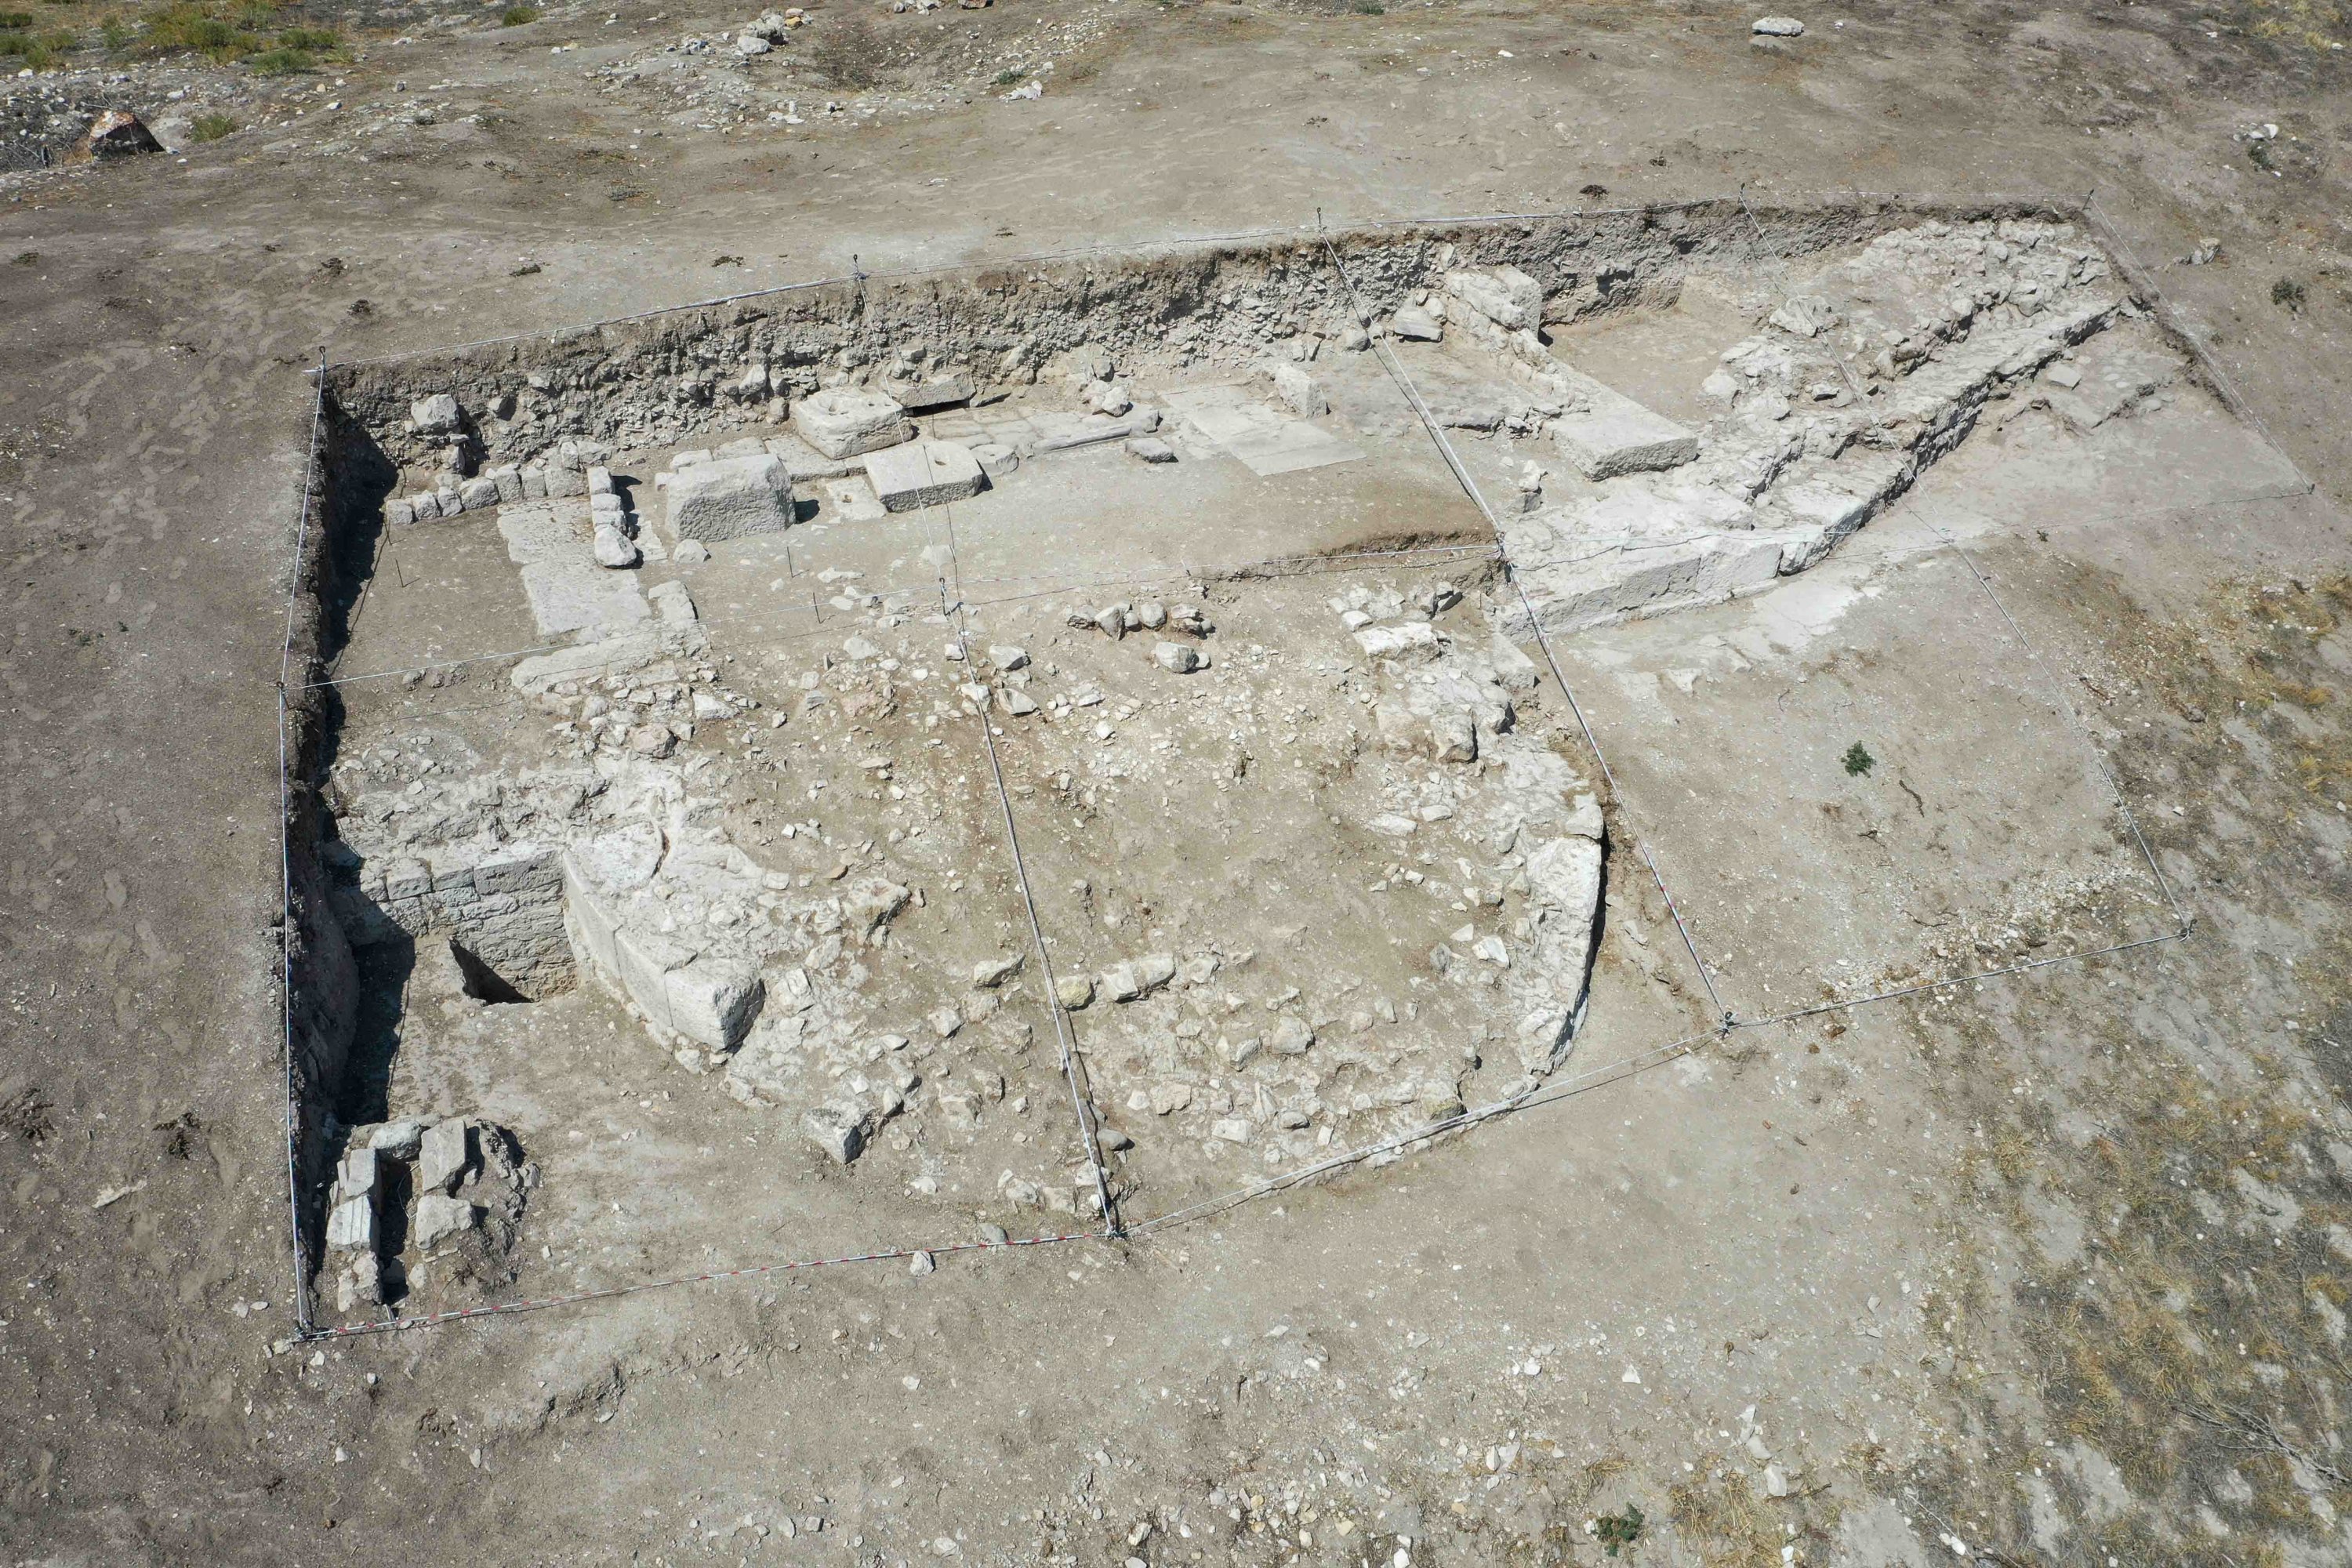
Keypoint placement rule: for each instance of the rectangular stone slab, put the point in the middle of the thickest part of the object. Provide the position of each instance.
(565, 597)
(1613, 435)
(923, 473)
(1267, 443)
(536, 533)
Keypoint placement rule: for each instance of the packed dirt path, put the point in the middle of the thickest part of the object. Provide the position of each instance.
(2051, 1267)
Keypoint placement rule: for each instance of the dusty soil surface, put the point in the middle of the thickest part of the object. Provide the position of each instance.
(2050, 1268)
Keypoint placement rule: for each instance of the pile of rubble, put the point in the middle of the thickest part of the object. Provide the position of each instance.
(418, 1199)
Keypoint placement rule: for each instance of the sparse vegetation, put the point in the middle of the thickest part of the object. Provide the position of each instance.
(25, 1114)
(2191, 1329)
(39, 50)
(518, 15)
(1858, 760)
(1615, 1531)
(2288, 294)
(211, 126)
(282, 61)
(246, 31)
(1728, 1521)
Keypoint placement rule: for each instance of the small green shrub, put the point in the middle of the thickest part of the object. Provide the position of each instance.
(211, 127)
(117, 33)
(1615, 1531)
(1009, 78)
(184, 25)
(311, 40)
(15, 21)
(2288, 294)
(1858, 760)
(518, 15)
(282, 61)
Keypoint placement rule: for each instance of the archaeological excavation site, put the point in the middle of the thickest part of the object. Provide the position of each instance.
(912, 763)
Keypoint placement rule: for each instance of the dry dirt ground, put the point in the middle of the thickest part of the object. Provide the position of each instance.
(2049, 1269)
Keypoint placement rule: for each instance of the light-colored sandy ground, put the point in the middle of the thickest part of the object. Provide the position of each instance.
(2051, 1267)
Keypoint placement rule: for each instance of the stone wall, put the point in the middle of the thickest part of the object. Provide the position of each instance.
(661, 378)
(502, 903)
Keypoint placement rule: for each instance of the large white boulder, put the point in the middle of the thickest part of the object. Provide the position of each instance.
(436, 414)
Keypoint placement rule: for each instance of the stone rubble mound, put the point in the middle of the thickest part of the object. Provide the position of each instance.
(424, 1206)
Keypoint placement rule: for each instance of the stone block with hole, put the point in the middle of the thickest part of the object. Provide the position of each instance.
(924, 473)
(844, 421)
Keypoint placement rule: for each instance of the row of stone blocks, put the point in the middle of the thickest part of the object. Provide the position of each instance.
(507, 910)
(564, 474)
(508, 907)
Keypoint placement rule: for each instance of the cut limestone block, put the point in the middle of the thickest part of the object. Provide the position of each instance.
(846, 420)
(673, 602)
(924, 473)
(1504, 296)
(1416, 324)
(1268, 442)
(440, 1217)
(611, 656)
(851, 497)
(1299, 390)
(728, 498)
(712, 1001)
(805, 463)
(352, 1223)
(1610, 434)
(443, 1152)
(941, 391)
(575, 596)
